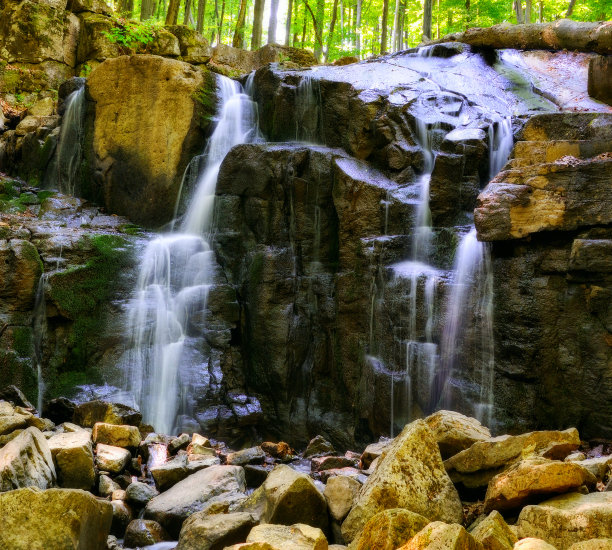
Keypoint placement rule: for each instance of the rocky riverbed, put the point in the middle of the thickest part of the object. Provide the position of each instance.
(443, 482)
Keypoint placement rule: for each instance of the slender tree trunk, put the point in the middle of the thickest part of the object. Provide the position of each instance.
(257, 24)
(304, 26)
(358, 28)
(147, 9)
(518, 8)
(296, 34)
(427, 19)
(172, 15)
(220, 31)
(438, 19)
(570, 8)
(187, 12)
(125, 9)
(330, 37)
(383, 33)
(541, 12)
(288, 23)
(272, 22)
(238, 41)
(341, 20)
(395, 26)
(318, 28)
(527, 11)
(201, 12)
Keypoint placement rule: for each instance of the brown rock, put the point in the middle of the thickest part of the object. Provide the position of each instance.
(340, 493)
(455, 432)
(442, 536)
(122, 435)
(390, 529)
(493, 533)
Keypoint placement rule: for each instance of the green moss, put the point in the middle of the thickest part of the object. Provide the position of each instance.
(22, 341)
(206, 98)
(42, 195)
(130, 229)
(9, 188)
(19, 371)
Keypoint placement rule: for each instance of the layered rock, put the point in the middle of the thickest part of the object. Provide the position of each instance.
(74, 460)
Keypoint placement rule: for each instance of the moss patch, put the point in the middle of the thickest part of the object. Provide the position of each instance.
(206, 99)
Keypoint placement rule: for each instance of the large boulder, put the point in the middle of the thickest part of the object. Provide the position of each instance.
(89, 413)
(390, 529)
(55, 519)
(474, 467)
(455, 432)
(169, 473)
(493, 533)
(118, 435)
(214, 532)
(26, 461)
(442, 536)
(73, 456)
(292, 497)
(340, 493)
(144, 136)
(195, 493)
(535, 476)
(112, 459)
(296, 537)
(409, 475)
(567, 519)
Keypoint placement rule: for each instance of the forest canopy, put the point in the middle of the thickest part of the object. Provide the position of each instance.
(337, 28)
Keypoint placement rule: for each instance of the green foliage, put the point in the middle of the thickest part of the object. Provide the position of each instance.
(85, 70)
(132, 35)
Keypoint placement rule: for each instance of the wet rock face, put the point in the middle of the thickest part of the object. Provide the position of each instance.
(552, 291)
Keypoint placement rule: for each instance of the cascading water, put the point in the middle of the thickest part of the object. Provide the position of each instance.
(176, 274)
(39, 330)
(64, 168)
(308, 109)
(500, 144)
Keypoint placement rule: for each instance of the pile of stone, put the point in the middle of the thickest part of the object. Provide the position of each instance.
(106, 481)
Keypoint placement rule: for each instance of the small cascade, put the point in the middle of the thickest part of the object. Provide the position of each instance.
(176, 274)
(501, 142)
(470, 307)
(68, 154)
(308, 110)
(39, 329)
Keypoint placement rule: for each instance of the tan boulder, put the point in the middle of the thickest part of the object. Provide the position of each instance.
(283, 537)
(292, 497)
(593, 544)
(410, 475)
(66, 519)
(26, 461)
(455, 432)
(534, 476)
(475, 466)
(88, 413)
(389, 530)
(340, 493)
(493, 533)
(202, 531)
(373, 451)
(144, 136)
(118, 435)
(442, 536)
(567, 519)
(112, 459)
(598, 466)
(532, 543)
(74, 460)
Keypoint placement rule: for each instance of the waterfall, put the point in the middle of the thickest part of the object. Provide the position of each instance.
(472, 286)
(65, 166)
(176, 274)
(501, 142)
(39, 330)
(308, 110)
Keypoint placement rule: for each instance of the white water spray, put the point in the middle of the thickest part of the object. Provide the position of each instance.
(177, 272)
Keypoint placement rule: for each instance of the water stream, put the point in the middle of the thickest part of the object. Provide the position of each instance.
(176, 274)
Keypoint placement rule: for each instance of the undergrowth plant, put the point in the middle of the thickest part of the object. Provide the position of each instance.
(131, 35)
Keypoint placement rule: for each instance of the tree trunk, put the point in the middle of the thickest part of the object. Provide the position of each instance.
(288, 23)
(318, 28)
(272, 22)
(220, 37)
(201, 12)
(257, 24)
(383, 34)
(330, 37)
(358, 28)
(173, 9)
(238, 41)
(395, 26)
(187, 12)
(427, 19)
(304, 26)
(541, 12)
(438, 19)
(518, 8)
(147, 9)
(570, 8)
(527, 11)
(125, 9)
